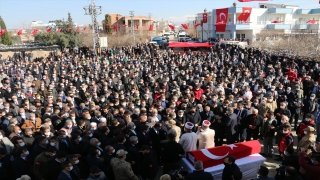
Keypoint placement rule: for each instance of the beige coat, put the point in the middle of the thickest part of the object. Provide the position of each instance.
(272, 105)
(206, 138)
(178, 131)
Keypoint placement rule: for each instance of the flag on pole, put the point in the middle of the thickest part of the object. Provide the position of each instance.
(185, 26)
(69, 29)
(137, 26)
(49, 30)
(77, 29)
(59, 30)
(34, 32)
(19, 32)
(84, 28)
(151, 27)
(2, 32)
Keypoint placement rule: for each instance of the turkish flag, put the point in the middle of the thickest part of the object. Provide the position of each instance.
(35, 31)
(124, 25)
(222, 19)
(204, 17)
(196, 25)
(171, 26)
(78, 29)
(312, 21)
(246, 11)
(68, 29)
(59, 30)
(151, 27)
(115, 28)
(2, 32)
(49, 30)
(277, 21)
(84, 28)
(137, 26)
(251, 0)
(184, 26)
(215, 156)
(19, 32)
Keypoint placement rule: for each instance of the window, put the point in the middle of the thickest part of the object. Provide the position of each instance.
(221, 35)
(258, 19)
(243, 36)
(238, 36)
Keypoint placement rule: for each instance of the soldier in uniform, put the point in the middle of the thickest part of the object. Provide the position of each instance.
(121, 168)
(41, 167)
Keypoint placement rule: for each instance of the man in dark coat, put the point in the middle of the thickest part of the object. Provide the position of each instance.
(199, 173)
(194, 117)
(148, 163)
(133, 155)
(231, 125)
(21, 164)
(253, 124)
(229, 168)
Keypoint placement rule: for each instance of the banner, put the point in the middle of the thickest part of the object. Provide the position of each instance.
(185, 26)
(204, 17)
(222, 19)
(215, 156)
(151, 27)
(246, 11)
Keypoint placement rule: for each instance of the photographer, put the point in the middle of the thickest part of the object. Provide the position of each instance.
(290, 159)
(199, 173)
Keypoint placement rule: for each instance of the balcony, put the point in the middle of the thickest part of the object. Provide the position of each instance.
(304, 11)
(313, 26)
(278, 26)
(301, 26)
(279, 10)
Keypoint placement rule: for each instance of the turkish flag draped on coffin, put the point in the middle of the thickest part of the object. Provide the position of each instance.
(215, 156)
(222, 19)
(246, 11)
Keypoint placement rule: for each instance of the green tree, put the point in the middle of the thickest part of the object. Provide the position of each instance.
(64, 38)
(107, 20)
(5, 38)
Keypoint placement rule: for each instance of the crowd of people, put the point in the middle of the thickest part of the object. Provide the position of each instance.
(126, 113)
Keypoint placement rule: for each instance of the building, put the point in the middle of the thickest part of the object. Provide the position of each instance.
(41, 25)
(136, 22)
(277, 18)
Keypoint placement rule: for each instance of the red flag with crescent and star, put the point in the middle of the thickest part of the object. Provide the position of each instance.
(215, 156)
(246, 11)
(19, 32)
(2, 32)
(222, 19)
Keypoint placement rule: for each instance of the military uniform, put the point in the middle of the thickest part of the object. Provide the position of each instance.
(41, 167)
(122, 170)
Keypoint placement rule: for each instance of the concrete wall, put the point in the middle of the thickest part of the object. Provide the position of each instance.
(35, 53)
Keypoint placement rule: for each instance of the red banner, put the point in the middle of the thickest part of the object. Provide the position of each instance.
(246, 11)
(19, 32)
(205, 17)
(215, 156)
(151, 27)
(222, 19)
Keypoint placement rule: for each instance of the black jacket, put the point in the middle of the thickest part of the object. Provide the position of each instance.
(21, 167)
(291, 160)
(228, 171)
(172, 152)
(195, 175)
(149, 164)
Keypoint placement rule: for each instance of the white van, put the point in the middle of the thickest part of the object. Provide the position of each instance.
(182, 36)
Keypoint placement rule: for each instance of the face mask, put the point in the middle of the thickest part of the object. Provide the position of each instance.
(99, 153)
(30, 135)
(282, 121)
(307, 119)
(314, 148)
(52, 154)
(64, 136)
(90, 135)
(312, 161)
(99, 143)
(80, 139)
(1, 137)
(134, 127)
(70, 168)
(285, 153)
(47, 133)
(27, 153)
(47, 142)
(285, 132)
(269, 100)
(76, 162)
(69, 126)
(113, 151)
(22, 144)
(305, 132)
(19, 131)
(52, 144)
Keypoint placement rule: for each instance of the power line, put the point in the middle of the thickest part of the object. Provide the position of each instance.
(94, 11)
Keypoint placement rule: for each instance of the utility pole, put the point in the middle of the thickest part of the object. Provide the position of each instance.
(94, 11)
(132, 27)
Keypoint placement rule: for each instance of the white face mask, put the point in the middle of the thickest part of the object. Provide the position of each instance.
(113, 151)
(70, 169)
(305, 132)
(1, 136)
(47, 133)
(282, 121)
(22, 144)
(76, 162)
(99, 153)
(285, 132)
